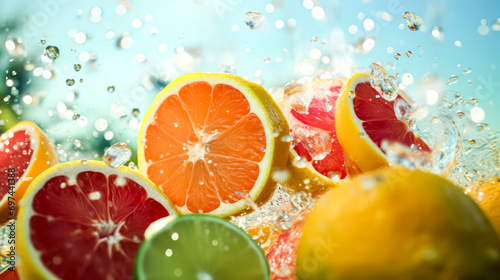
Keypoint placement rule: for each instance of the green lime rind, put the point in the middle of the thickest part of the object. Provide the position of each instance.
(199, 247)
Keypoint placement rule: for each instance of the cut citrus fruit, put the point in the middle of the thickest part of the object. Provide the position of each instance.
(7, 273)
(86, 220)
(199, 247)
(364, 120)
(396, 223)
(207, 141)
(317, 155)
(487, 195)
(25, 152)
(264, 234)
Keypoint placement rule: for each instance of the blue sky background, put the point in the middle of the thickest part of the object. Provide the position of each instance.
(214, 33)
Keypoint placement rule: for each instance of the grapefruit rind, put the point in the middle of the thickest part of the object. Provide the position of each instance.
(262, 105)
(29, 265)
(362, 150)
(42, 158)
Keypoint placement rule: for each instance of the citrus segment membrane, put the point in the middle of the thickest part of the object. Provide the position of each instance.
(15, 153)
(212, 146)
(89, 224)
(380, 121)
(199, 247)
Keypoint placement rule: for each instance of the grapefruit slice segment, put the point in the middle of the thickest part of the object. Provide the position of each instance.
(25, 152)
(364, 120)
(86, 221)
(207, 141)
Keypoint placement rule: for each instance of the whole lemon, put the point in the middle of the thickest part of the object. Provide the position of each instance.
(396, 223)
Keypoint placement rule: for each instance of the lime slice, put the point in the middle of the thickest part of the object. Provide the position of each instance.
(199, 247)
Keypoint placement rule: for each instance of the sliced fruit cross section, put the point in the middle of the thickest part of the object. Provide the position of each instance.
(86, 221)
(207, 142)
(364, 120)
(199, 247)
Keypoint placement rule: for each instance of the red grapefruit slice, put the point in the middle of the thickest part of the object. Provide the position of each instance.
(86, 220)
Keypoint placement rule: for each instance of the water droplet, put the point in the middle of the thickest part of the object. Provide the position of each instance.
(314, 39)
(135, 112)
(408, 53)
(52, 52)
(42, 41)
(77, 67)
(328, 106)
(94, 195)
(460, 114)
(351, 94)
(299, 162)
(276, 133)
(437, 33)
(168, 252)
(480, 196)
(280, 175)
(117, 155)
(473, 101)
(472, 142)
(467, 71)
(70, 82)
(397, 56)
(76, 116)
(287, 138)
(267, 60)
(453, 80)
(361, 135)
(253, 19)
(413, 21)
(111, 88)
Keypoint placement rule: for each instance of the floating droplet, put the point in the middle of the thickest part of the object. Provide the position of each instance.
(299, 162)
(328, 106)
(287, 138)
(453, 80)
(397, 56)
(387, 86)
(70, 82)
(76, 116)
(480, 196)
(413, 21)
(135, 112)
(472, 142)
(42, 41)
(473, 101)
(460, 114)
(280, 175)
(77, 67)
(117, 155)
(361, 135)
(111, 88)
(437, 33)
(351, 94)
(267, 60)
(314, 39)
(408, 53)
(467, 71)
(253, 19)
(52, 52)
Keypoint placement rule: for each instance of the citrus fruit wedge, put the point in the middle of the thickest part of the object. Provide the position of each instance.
(86, 220)
(396, 223)
(317, 155)
(199, 247)
(25, 152)
(207, 141)
(8, 274)
(364, 120)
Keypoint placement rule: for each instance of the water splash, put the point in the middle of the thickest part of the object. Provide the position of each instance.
(117, 155)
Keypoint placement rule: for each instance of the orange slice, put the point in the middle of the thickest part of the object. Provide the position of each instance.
(364, 120)
(25, 152)
(211, 142)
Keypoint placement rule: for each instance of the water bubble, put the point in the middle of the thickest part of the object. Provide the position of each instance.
(361, 135)
(267, 60)
(460, 114)
(453, 80)
(351, 94)
(413, 21)
(364, 44)
(299, 162)
(481, 196)
(473, 101)
(168, 252)
(472, 142)
(287, 138)
(111, 88)
(467, 71)
(101, 124)
(70, 82)
(77, 67)
(397, 56)
(94, 195)
(408, 53)
(76, 116)
(437, 33)
(254, 19)
(314, 39)
(52, 52)
(42, 41)
(117, 155)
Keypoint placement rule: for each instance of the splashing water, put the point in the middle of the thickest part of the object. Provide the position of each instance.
(387, 86)
(117, 155)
